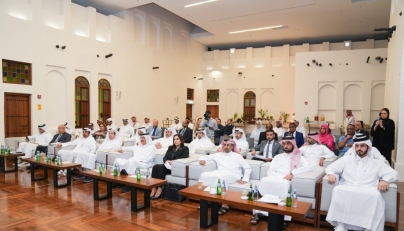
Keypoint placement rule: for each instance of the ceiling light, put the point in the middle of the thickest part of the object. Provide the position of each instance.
(232, 50)
(262, 28)
(200, 3)
(347, 44)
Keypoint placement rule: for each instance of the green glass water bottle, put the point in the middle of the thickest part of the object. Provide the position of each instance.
(101, 169)
(219, 187)
(289, 198)
(115, 170)
(251, 193)
(138, 176)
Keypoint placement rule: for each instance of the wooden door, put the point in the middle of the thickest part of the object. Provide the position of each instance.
(17, 115)
(104, 100)
(82, 97)
(249, 106)
(214, 110)
(189, 111)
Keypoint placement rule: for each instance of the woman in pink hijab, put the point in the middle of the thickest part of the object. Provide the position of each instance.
(325, 137)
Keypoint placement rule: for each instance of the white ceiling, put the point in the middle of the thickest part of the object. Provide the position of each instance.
(308, 21)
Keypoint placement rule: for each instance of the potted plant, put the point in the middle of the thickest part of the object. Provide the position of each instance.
(262, 113)
(284, 116)
(235, 116)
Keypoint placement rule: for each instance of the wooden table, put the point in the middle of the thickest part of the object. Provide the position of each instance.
(54, 167)
(233, 198)
(145, 184)
(4, 157)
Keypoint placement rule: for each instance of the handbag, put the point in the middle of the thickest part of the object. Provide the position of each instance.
(171, 192)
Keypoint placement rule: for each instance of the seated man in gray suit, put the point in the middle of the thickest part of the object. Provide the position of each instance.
(155, 131)
(269, 148)
(61, 137)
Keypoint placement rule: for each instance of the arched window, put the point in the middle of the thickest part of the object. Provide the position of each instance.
(82, 102)
(249, 106)
(104, 100)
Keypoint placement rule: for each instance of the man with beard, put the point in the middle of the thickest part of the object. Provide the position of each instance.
(268, 149)
(314, 151)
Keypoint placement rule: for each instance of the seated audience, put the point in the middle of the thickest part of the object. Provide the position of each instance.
(176, 125)
(61, 137)
(241, 141)
(146, 124)
(257, 131)
(69, 129)
(269, 148)
(111, 124)
(186, 132)
(374, 152)
(314, 151)
(174, 152)
(126, 131)
(102, 133)
(326, 137)
(135, 123)
(346, 142)
(155, 131)
(165, 141)
(136, 137)
(229, 168)
(349, 119)
(228, 128)
(190, 124)
(300, 128)
(196, 127)
(31, 142)
(280, 173)
(83, 145)
(99, 122)
(279, 130)
(201, 141)
(295, 134)
(143, 157)
(357, 201)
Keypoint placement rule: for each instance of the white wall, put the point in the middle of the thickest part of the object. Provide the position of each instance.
(331, 90)
(395, 83)
(155, 38)
(270, 73)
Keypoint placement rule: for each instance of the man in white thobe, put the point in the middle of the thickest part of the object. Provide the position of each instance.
(126, 131)
(31, 142)
(135, 123)
(166, 140)
(146, 124)
(136, 137)
(176, 125)
(314, 151)
(281, 171)
(190, 124)
(143, 157)
(356, 202)
(374, 152)
(300, 128)
(111, 124)
(84, 145)
(69, 129)
(279, 130)
(229, 168)
(201, 141)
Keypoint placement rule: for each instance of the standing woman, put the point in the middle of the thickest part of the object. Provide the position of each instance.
(383, 132)
(325, 137)
(175, 151)
(196, 126)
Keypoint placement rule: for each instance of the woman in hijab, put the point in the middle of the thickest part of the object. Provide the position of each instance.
(383, 132)
(174, 152)
(325, 137)
(256, 132)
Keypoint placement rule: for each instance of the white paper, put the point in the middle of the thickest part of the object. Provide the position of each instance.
(207, 189)
(268, 198)
(133, 176)
(168, 166)
(66, 162)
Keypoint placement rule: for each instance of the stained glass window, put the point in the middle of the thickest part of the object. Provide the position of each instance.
(213, 96)
(16, 72)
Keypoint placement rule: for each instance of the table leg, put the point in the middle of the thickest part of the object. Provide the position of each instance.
(45, 173)
(15, 164)
(275, 222)
(3, 165)
(204, 222)
(56, 179)
(96, 192)
(133, 199)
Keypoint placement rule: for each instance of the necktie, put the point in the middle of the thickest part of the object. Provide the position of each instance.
(58, 138)
(154, 131)
(291, 134)
(267, 151)
(182, 132)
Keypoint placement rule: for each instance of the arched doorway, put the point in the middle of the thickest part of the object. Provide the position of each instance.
(249, 106)
(82, 102)
(104, 100)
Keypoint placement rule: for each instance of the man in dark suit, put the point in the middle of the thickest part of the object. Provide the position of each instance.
(297, 135)
(269, 148)
(155, 131)
(61, 137)
(263, 135)
(186, 132)
(359, 128)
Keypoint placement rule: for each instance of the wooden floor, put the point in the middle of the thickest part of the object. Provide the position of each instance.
(26, 205)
